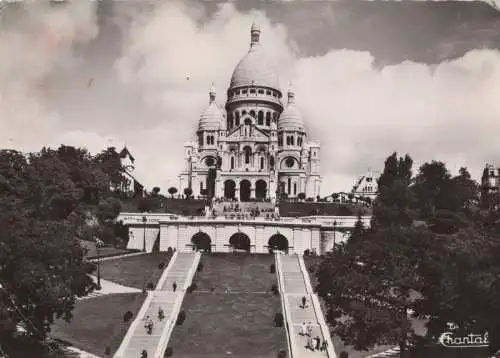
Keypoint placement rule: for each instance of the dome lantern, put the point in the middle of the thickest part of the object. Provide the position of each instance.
(254, 34)
(211, 94)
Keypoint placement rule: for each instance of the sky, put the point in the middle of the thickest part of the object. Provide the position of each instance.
(370, 78)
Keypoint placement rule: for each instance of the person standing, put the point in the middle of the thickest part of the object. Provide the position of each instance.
(324, 345)
(174, 286)
(304, 301)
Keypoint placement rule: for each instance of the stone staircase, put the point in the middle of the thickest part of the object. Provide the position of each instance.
(295, 285)
(181, 269)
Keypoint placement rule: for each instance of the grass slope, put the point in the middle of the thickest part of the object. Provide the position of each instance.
(237, 322)
(135, 271)
(98, 322)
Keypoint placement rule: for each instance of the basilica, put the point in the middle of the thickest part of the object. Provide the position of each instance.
(255, 147)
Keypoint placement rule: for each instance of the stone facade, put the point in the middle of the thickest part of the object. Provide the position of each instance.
(254, 147)
(310, 233)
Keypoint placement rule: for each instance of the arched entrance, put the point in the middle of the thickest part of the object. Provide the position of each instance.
(240, 241)
(278, 242)
(201, 241)
(229, 189)
(260, 189)
(245, 189)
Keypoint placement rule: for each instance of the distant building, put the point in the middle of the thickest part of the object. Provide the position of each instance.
(366, 186)
(490, 183)
(130, 185)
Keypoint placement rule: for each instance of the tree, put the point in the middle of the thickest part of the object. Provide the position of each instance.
(172, 190)
(393, 204)
(188, 192)
(376, 272)
(156, 191)
(301, 196)
(44, 205)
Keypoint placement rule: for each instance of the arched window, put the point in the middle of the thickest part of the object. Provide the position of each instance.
(261, 162)
(237, 114)
(280, 140)
(268, 119)
(261, 118)
(232, 162)
(292, 141)
(247, 155)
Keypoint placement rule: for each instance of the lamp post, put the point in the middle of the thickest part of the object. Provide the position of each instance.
(144, 219)
(98, 244)
(334, 234)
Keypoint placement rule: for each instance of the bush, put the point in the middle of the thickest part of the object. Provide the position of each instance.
(307, 252)
(200, 267)
(272, 268)
(191, 288)
(107, 351)
(150, 286)
(344, 354)
(274, 289)
(161, 265)
(170, 251)
(127, 316)
(282, 353)
(278, 320)
(181, 318)
(169, 352)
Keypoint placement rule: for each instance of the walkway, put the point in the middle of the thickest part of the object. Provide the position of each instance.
(295, 285)
(181, 269)
(108, 287)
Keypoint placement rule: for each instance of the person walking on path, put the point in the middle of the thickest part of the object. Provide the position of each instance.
(318, 342)
(309, 329)
(303, 330)
(304, 301)
(161, 314)
(174, 286)
(310, 343)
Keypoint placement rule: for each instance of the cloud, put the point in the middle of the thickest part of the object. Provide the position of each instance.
(152, 95)
(37, 39)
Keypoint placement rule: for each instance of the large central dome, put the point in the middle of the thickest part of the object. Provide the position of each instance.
(253, 69)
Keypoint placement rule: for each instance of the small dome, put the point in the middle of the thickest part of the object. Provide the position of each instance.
(213, 117)
(253, 68)
(291, 118)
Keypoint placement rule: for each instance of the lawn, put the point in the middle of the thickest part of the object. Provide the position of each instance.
(239, 272)
(98, 322)
(135, 271)
(236, 324)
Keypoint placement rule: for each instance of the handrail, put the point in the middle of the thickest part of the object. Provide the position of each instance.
(167, 331)
(305, 274)
(323, 326)
(133, 326)
(288, 322)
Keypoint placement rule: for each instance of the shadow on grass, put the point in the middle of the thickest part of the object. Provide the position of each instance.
(135, 271)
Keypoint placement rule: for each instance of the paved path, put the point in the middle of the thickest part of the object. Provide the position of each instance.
(109, 287)
(296, 284)
(162, 297)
